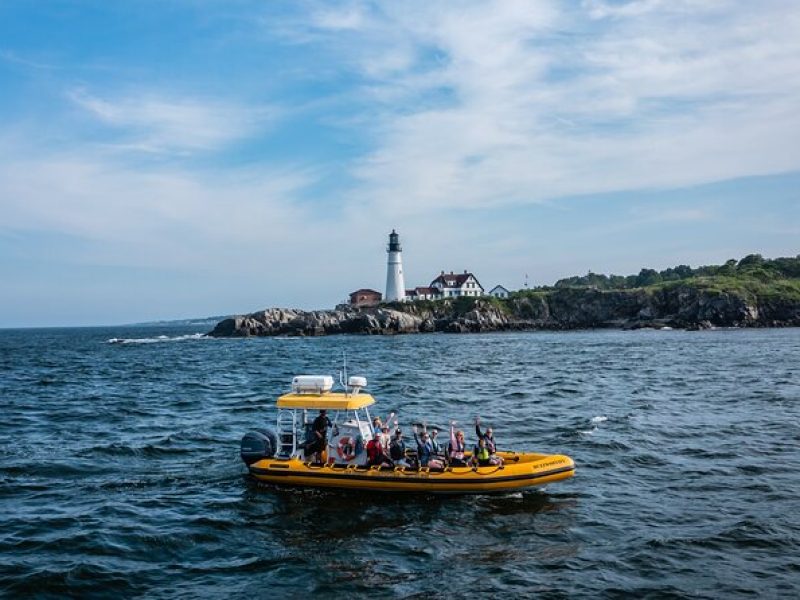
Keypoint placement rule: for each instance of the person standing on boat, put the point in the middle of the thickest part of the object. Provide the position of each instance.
(320, 430)
(455, 454)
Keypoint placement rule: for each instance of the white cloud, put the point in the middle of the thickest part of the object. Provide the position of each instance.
(490, 104)
(152, 123)
(349, 18)
(657, 214)
(155, 216)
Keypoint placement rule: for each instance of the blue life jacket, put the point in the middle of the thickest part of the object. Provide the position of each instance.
(424, 452)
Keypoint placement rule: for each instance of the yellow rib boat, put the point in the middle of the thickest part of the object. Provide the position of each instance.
(280, 457)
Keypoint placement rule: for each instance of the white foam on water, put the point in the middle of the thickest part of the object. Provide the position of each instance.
(513, 495)
(157, 339)
(594, 421)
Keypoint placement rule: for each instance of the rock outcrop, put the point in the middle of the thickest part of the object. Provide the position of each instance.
(681, 306)
(279, 321)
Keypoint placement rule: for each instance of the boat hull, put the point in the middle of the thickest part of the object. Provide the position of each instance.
(521, 470)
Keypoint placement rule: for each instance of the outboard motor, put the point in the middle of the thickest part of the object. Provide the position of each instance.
(258, 444)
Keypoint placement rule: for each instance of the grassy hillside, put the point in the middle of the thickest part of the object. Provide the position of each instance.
(753, 291)
(752, 274)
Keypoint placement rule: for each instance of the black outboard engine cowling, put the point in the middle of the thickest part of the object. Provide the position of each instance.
(262, 443)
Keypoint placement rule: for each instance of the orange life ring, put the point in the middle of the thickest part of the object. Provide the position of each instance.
(347, 448)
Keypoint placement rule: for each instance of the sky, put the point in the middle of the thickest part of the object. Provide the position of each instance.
(186, 158)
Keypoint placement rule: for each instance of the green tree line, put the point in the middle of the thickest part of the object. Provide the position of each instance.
(752, 266)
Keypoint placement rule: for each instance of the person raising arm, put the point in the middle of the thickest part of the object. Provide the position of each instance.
(457, 447)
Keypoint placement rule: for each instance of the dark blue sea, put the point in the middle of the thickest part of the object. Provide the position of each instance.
(120, 474)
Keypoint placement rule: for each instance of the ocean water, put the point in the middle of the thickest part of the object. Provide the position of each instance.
(120, 475)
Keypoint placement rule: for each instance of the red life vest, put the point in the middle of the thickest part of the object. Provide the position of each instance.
(374, 449)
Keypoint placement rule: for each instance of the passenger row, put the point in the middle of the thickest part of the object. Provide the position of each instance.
(391, 451)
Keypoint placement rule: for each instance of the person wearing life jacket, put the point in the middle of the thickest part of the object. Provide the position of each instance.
(456, 448)
(480, 454)
(397, 448)
(423, 447)
(488, 437)
(377, 423)
(425, 454)
(375, 453)
(436, 447)
(385, 438)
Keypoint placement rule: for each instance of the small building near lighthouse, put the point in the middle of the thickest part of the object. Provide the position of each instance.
(422, 293)
(365, 297)
(499, 291)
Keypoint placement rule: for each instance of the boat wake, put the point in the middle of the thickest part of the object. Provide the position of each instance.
(158, 339)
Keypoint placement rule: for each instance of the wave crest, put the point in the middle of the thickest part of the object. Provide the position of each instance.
(158, 339)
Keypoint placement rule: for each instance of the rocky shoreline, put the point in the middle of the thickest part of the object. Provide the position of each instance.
(682, 306)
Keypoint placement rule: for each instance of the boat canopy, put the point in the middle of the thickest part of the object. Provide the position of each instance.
(330, 401)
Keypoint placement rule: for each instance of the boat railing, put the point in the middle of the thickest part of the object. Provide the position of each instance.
(287, 432)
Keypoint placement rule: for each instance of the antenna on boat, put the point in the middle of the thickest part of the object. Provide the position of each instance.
(343, 372)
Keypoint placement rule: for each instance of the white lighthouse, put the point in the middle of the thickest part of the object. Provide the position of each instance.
(395, 284)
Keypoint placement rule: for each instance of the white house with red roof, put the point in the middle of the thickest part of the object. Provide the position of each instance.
(452, 285)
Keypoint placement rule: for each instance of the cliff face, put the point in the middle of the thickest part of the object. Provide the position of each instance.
(565, 308)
